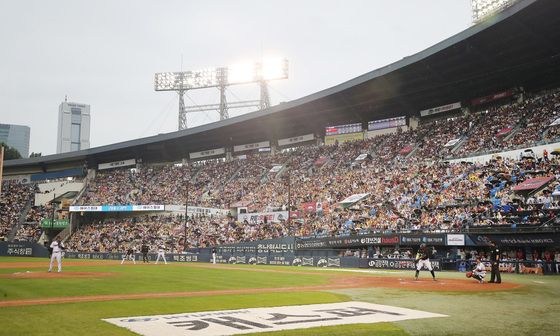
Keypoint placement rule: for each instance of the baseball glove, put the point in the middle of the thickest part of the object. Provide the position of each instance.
(469, 274)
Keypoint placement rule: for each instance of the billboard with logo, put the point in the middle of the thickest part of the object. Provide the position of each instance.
(456, 240)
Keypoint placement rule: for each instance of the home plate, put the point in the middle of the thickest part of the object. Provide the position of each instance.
(244, 321)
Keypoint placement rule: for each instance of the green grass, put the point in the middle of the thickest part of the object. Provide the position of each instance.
(144, 279)
(530, 310)
(85, 318)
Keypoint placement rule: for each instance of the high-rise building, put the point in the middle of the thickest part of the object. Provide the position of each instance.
(16, 136)
(73, 127)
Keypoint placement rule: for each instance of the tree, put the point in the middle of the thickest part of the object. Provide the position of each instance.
(33, 154)
(10, 153)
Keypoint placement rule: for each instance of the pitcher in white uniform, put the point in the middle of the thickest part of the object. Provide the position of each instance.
(57, 248)
(161, 253)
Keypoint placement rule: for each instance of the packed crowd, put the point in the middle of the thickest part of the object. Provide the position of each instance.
(31, 229)
(404, 196)
(13, 200)
(409, 187)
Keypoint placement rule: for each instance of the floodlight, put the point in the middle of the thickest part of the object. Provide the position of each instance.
(241, 73)
(274, 68)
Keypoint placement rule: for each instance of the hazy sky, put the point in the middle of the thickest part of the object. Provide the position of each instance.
(105, 53)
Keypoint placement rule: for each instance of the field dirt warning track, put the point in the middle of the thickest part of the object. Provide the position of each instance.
(336, 281)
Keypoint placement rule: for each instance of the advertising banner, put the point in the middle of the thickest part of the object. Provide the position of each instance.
(58, 223)
(116, 208)
(386, 123)
(406, 264)
(348, 241)
(294, 140)
(22, 249)
(537, 239)
(342, 138)
(116, 164)
(207, 153)
(455, 240)
(434, 239)
(256, 145)
(197, 210)
(17, 178)
(534, 183)
(440, 109)
(259, 217)
(85, 208)
(492, 97)
(279, 245)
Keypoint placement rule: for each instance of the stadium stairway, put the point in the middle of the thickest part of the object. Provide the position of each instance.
(21, 220)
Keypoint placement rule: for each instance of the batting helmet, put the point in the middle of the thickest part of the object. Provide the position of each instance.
(469, 274)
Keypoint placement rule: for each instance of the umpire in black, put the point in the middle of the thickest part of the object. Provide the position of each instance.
(495, 261)
(144, 251)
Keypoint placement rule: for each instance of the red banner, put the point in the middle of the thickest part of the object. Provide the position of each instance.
(320, 161)
(492, 97)
(534, 183)
(504, 131)
(406, 150)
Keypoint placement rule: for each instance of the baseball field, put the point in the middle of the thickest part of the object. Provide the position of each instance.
(93, 297)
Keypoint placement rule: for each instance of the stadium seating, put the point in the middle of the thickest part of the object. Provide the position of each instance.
(412, 188)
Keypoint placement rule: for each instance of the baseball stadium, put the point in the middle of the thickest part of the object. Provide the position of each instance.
(421, 198)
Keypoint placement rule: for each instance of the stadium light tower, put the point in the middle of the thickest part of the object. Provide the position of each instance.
(221, 77)
(483, 8)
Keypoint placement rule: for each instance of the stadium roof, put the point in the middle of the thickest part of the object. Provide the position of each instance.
(519, 47)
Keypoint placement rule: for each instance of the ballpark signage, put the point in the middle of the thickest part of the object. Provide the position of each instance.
(254, 320)
(426, 239)
(456, 240)
(492, 97)
(256, 145)
(116, 164)
(408, 264)
(58, 223)
(542, 239)
(279, 245)
(440, 109)
(116, 208)
(365, 240)
(260, 217)
(298, 139)
(207, 153)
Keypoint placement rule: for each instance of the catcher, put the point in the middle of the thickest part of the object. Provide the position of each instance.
(479, 271)
(423, 260)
